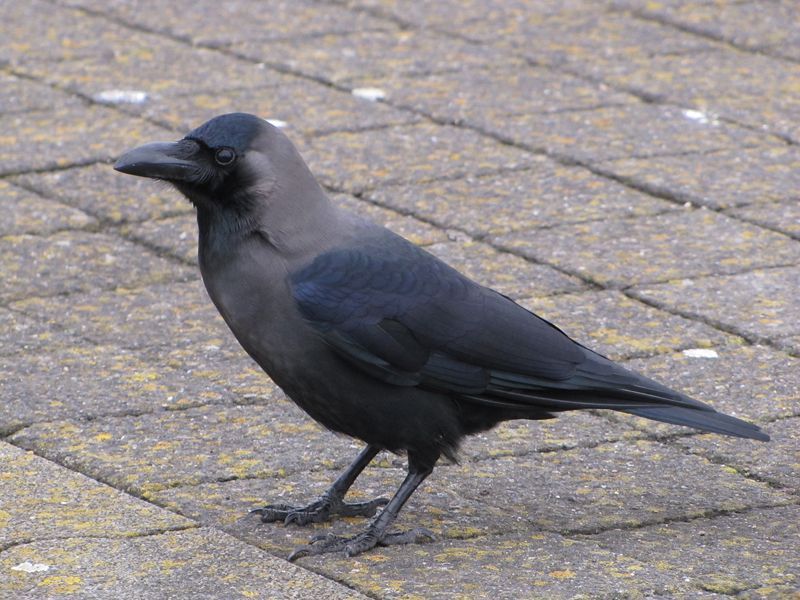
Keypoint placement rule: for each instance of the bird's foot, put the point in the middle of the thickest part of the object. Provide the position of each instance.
(366, 540)
(319, 511)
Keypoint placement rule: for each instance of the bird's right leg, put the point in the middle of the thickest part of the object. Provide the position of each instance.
(332, 501)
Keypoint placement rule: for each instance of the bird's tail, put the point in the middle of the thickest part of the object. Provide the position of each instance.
(704, 420)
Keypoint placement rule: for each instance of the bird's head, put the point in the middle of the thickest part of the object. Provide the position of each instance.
(229, 162)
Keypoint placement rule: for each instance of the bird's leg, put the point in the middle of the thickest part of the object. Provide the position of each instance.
(375, 534)
(332, 501)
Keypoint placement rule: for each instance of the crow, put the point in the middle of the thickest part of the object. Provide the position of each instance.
(371, 335)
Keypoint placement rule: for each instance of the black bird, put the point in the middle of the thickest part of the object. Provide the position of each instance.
(371, 335)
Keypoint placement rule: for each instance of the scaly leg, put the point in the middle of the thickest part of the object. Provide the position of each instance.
(332, 501)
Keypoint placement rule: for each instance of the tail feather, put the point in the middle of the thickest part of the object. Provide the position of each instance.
(704, 420)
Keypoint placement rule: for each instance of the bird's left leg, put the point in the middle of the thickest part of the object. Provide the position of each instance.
(332, 501)
(375, 534)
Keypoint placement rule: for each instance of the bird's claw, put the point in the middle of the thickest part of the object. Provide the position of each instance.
(319, 511)
(366, 540)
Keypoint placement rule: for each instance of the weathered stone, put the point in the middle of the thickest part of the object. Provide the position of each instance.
(781, 216)
(174, 236)
(21, 95)
(40, 500)
(717, 179)
(619, 327)
(548, 194)
(76, 261)
(687, 243)
(760, 305)
(26, 212)
(635, 130)
(357, 161)
(200, 563)
(107, 195)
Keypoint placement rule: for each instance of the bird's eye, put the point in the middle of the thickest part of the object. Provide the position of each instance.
(224, 156)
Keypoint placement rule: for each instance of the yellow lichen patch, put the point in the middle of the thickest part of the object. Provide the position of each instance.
(564, 574)
(61, 584)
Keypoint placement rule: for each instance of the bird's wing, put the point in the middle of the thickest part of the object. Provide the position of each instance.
(407, 318)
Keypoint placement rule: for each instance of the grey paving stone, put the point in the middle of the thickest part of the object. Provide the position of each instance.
(76, 261)
(479, 96)
(356, 161)
(750, 382)
(151, 64)
(722, 179)
(636, 130)
(775, 461)
(22, 95)
(206, 22)
(760, 304)
(417, 231)
(200, 563)
(725, 554)
(622, 484)
(107, 195)
(88, 381)
(790, 344)
(40, 500)
(748, 87)
(546, 195)
(344, 59)
(618, 327)
(175, 236)
(155, 451)
(781, 216)
(681, 244)
(26, 212)
(768, 24)
(22, 334)
(543, 565)
(304, 107)
(507, 273)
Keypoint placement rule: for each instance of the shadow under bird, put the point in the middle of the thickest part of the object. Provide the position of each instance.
(371, 335)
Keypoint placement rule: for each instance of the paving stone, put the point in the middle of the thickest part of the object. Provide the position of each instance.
(543, 565)
(760, 304)
(343, 59)
(722, 179)
(154, 65)
(58, 137)
(726, 554)
(107, 195)
(40, 500)
(175, 236)
(622, 484)
(205, 22)
(22, 95)
(776, 461)
(673, 245)
(771, 592)
(458, 13)
(305, 107)
(76, 261)
(38, 30)
(790, 344)
(637, 130)
(355, 161)
(781, 216)
(619, 327)
(154, 451)
(755, 383)
(751, 88)
(25, 212)
(22, 334)
(507, 273)
(490, 95)
(417, 231)
(770, 24)
(546, 195)
(200, 563)
(87, 381)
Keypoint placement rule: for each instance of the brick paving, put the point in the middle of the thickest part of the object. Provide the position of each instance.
(628, 169)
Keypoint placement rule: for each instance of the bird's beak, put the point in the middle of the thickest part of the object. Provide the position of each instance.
(159, 160)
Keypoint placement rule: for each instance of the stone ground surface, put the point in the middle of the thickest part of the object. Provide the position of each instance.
(627, 169)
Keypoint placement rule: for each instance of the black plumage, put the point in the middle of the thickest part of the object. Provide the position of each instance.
(371, 335)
